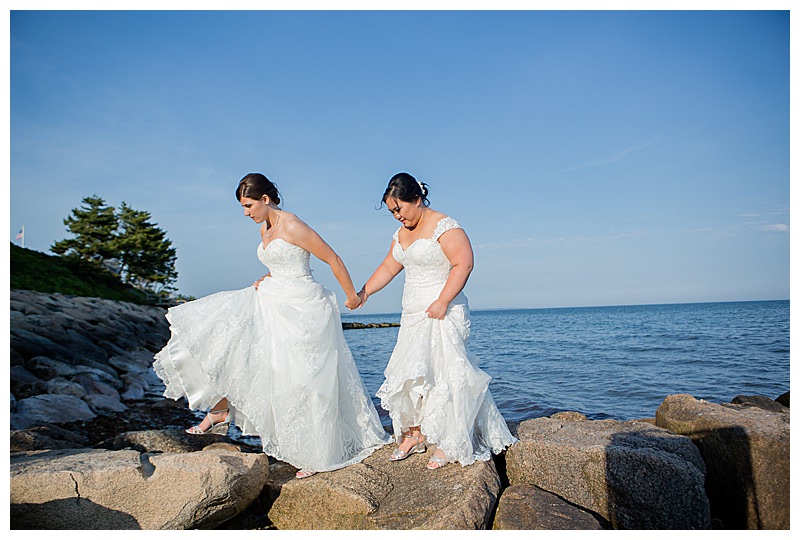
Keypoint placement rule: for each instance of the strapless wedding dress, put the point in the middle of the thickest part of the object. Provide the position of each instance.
(432, 379)
(279, 355)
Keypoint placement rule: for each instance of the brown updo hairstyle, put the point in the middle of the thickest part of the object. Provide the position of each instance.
(256, 185)
(405, 187)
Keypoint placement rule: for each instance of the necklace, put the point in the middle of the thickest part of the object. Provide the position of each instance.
(269, 234)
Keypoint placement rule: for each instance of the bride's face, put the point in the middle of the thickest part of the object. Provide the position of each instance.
(255, 209)
(407, 213)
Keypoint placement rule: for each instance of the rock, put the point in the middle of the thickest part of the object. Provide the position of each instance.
(29, 345)
(746, 451)
(140, 385)
(103, 402)
(49, 409)
(569, 416)
(379, 494)
(633, 474)
(30, 439)
(102, 489)
(45, 437)
(47, 368)
(60, 385)
(760, 402)
(26, 384)
(527, 507)
(783, 399)
(81, 346)
(138, 361)
(168, 440)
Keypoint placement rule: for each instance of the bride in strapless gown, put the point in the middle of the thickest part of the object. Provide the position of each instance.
(272, 358)
(434, 390)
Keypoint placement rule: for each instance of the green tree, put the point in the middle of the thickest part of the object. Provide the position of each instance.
(146, 256)
(94, 226)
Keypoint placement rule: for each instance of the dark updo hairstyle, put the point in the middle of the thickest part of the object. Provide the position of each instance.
(256, 185)
(405, 187)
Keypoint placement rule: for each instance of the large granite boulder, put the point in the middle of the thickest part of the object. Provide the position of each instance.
(746, 452)
(527, 507)
(379, 494)
(102, 489)
(633, 474)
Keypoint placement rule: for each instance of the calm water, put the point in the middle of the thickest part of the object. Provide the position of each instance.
(611, 362)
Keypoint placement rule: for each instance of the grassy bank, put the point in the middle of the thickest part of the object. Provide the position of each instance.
(36, 271)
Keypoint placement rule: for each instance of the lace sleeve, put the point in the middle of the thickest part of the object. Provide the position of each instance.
(395, 236)
(444, 225)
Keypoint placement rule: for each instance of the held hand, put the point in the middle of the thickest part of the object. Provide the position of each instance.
(362, 294)
(353, 302)
(437, 310)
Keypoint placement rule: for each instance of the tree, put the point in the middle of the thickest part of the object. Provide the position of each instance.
(94, 226)
(125, 242)
(146, 256)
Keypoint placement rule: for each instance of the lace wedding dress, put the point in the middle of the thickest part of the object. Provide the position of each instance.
(279, 355)
(432, 379)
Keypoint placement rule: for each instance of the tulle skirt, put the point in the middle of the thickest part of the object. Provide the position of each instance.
(279, 356)
(433, 381)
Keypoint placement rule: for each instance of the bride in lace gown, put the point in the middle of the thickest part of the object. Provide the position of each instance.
(434, 390)
(272, 358)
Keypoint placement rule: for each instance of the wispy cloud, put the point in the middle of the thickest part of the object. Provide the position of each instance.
(776, 227)
(609, 159)
(522, 243)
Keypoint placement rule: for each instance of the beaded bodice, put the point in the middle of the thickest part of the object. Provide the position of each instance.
(284, 259)
(424, 261)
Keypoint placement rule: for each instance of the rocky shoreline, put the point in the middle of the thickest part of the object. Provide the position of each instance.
(95, 446)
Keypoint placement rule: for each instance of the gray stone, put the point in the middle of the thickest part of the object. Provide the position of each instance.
(379, 494)
(29, 345)
(138, 361)
(527, 507)
(168, 440)
(45, 437)
(783, 399)
(48, 368)
(49, 409)
(746, 451)
(27, 440)
(760, 402)
(59, 385)
(101, 489)
(25, 384)
(635, 475)
(103, 402)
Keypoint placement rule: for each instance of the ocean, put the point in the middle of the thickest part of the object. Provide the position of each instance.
(610, 362)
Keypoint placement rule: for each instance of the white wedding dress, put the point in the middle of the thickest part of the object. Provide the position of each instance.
(278, 354)
(432, 379)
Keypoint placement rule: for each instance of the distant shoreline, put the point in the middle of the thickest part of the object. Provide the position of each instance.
(361, 326)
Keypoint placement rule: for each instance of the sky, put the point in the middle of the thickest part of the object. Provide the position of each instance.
(609, 157)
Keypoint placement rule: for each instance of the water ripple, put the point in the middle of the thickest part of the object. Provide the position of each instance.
(612, 362)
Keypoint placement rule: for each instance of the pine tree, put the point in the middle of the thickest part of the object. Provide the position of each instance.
(125, 242)
(94, 226)
(146, 256)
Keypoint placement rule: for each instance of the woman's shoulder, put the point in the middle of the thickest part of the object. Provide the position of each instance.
(445, 223)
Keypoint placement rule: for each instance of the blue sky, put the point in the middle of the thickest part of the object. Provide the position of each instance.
(593, 157)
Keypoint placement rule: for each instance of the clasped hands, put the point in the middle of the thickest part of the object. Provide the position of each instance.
(357, 300)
